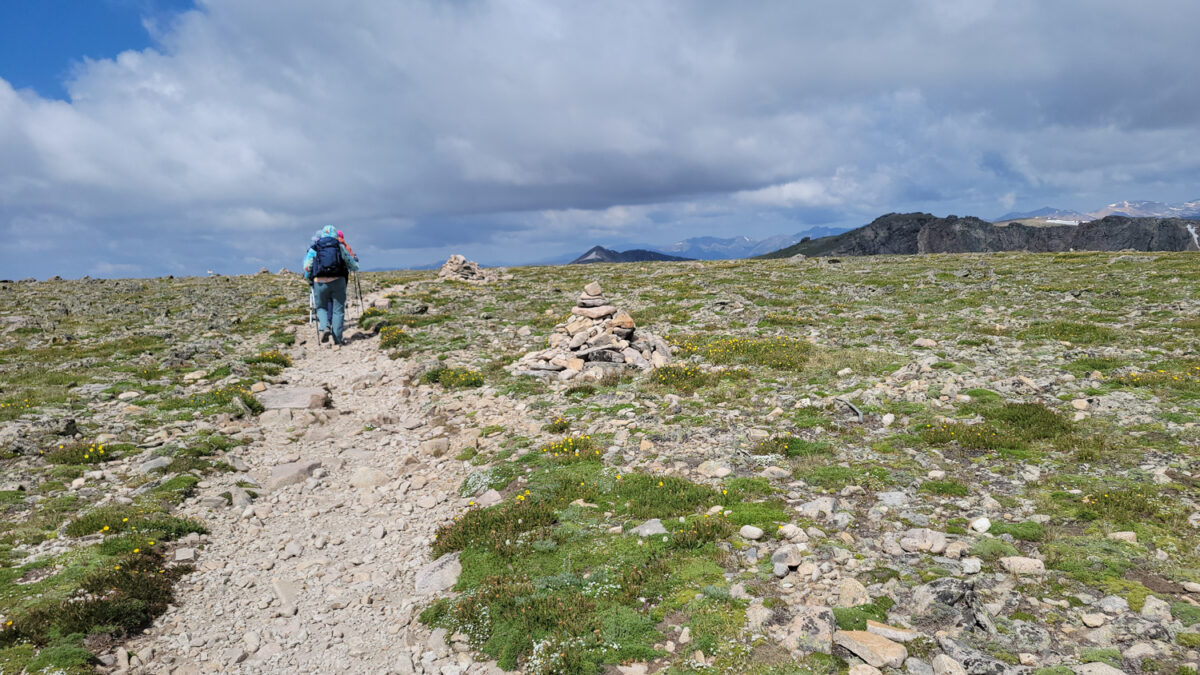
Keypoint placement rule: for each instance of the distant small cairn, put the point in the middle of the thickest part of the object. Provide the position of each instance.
(458, 268)
(598, 339)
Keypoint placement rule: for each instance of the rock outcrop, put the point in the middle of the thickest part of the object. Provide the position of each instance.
(458, 268)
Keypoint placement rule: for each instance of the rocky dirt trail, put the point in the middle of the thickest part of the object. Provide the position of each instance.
(325, 570)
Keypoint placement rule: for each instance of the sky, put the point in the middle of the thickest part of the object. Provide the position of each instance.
(154, 137)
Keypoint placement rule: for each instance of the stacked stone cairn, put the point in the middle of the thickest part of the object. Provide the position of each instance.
(598, 338)
(458, 268)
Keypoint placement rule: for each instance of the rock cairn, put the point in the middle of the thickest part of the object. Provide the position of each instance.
(597, 339)
(458, 268)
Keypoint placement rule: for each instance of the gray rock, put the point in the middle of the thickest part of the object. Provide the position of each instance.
(949, 601)
(1156, 609)
(751, 532)
(649, 528)
(294, 398)
(973, 661)
(154, 465)
(291, 473)
(876, 650)
(368, 477)
(437, 576)
(821, 506)
(944, 665)
(489, 498)
(915, 666)
(1023, 566)
(790, 555)
(811, 629)
(1113, 604)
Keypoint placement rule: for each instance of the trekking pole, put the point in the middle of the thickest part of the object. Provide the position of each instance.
(358, 287)
(312, 309)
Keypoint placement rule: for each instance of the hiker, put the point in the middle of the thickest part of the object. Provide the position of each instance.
(326, 268)
(344, 243)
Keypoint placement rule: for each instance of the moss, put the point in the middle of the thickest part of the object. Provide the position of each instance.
(1188, 639)
(855, 618)
(1025, 531)
(993, 549)
(1100, 655)
(945, 488)
(1185, 613)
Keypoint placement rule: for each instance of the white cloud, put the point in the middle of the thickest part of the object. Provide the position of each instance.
(433, 124)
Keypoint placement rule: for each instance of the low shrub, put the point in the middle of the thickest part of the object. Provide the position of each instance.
(273, 356)
(453, 378)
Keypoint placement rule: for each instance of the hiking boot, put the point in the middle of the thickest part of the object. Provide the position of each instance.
(325, 335)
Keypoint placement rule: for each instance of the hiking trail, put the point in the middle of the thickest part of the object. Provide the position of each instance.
(319, 574)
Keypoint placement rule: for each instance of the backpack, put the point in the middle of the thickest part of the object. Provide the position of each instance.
(328, 261)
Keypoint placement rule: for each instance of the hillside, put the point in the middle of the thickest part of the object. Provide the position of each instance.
(913, 233)
(599, 254)
(763, 466)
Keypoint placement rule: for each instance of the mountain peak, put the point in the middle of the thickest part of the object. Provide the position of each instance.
(599, 254)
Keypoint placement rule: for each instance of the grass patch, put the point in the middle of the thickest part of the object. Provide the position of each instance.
(855, 618)
(945, 488)
(780, 353)
(1071, 331)
(790, 446)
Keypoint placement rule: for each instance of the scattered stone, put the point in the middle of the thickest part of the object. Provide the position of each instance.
(368, 477)
(944, 665)
(294, 398)
(1127, 537)
(876, 650)
(811, 630)
(981, 525)
(291, 473)
(851, 593)
(892, 632)
(649, 528)
(1023, 566)
(1156, 609)
(439, 575)
(751, 532)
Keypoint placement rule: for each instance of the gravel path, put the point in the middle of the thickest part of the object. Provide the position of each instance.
(318, 576)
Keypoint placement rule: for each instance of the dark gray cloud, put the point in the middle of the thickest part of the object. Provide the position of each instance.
(522, 130)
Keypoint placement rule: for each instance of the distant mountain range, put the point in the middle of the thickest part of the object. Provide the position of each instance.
(716, 248)
(599, 254)
(1139, 209)
(913, 233)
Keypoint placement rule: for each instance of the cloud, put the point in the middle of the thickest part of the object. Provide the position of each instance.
(426, 125)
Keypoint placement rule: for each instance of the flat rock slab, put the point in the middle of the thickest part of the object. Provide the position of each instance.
(439, 575)
(293, 398)
(291, 473)
(811, 629)
(876, 650)
(649, 528)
